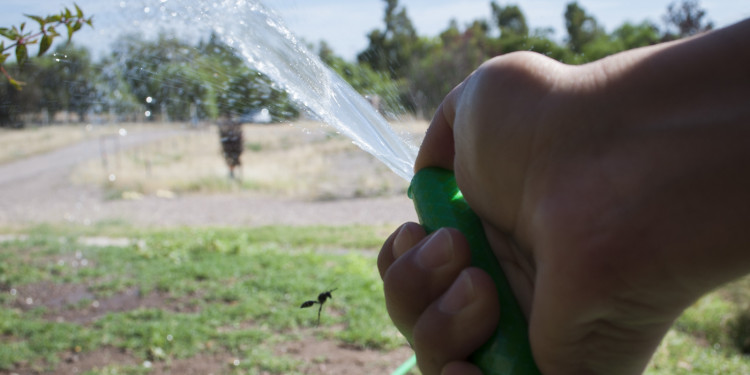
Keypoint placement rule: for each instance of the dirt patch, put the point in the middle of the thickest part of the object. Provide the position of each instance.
(75, 303)
(320, 358)
(333, 358)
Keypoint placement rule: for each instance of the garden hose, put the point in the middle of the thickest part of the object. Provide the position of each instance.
(439, 203)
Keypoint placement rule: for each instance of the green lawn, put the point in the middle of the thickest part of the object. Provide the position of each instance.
(223, 291)
(234, 294)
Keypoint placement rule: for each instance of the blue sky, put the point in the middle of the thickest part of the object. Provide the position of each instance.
(345, 23)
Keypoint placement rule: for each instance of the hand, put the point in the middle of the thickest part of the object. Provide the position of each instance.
(623, 194)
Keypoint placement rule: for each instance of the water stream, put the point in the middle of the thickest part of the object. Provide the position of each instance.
(260, 37)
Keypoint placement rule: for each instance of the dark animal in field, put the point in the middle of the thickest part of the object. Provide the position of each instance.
(230, 135)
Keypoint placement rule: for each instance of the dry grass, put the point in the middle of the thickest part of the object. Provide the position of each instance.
(305, 160)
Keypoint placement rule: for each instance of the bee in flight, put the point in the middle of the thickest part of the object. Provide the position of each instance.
(322, 298)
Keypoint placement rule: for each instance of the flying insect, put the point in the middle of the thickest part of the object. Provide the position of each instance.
(322, 298)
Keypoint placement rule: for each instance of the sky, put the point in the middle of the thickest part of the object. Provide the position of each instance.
(344, 24)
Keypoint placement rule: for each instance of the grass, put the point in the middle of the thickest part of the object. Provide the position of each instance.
(236, 292)
(225, 291)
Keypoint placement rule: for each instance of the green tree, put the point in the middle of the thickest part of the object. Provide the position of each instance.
(685, 19)
(631, 36)
(63, 81)
(510, 19)
(158, 73)
(582, 28)
(365, 80)
(450, 58)
(392, 50)
(71, 82)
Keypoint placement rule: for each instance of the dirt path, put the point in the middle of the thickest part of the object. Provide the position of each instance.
(37, 190)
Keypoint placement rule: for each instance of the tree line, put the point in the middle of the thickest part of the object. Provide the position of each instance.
(167, 79)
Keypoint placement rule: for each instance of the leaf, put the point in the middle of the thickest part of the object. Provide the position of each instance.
(22, 54)
(17, 84)
(52, 32)
(70, 32)
(45, 44)
(8, 33)
(78, 10)
(38, 19)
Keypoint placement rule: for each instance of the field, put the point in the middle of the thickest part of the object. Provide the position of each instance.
(118, 295)
(195, 301)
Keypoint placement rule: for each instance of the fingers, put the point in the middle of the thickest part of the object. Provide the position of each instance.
(458, 323)
(408, 235)
(444, 307)
(422, 274)
(437, 148)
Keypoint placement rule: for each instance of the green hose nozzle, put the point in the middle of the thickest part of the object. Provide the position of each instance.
(439, 203)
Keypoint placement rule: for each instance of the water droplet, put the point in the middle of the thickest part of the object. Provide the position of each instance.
(147, 10)
(95, 304)
(147, 364)
(84, 262)
(149, 99)
(112, 178)
(61, 262)
(123, 132)
(170, 338)
(236, 362)
(148, 113)
(13, 292)
(79, 255)
(29, 301)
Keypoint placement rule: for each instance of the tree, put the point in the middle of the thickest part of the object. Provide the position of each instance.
(393, 49)
(365, 80)
(687, 18)
(582, 28)
(631, 36)
(450, 59)
(510, 20)
(73, 85)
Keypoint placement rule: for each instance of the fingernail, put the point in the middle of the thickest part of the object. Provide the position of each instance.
(460, 295)
(437, 251)
(403, 242)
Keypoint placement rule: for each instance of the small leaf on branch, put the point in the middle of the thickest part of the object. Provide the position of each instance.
(78, 10)
(52, 32)
(70, 32)
(45, 44)
(42, 22)
(22, 54)
(17, 84)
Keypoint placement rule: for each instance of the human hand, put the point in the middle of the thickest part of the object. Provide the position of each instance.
(599, 210)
